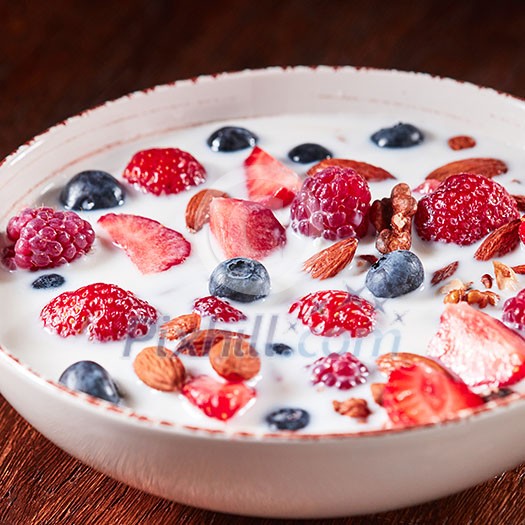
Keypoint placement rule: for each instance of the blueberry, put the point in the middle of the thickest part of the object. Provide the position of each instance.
(306, 153)
(231, 138)
(279, 349)
(90, 378)
(399, 136)
(50, 280)
(240, 279)
(395, 274)
(288, 419)
(92, 190)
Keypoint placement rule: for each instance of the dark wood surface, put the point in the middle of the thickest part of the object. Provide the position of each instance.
(59, 57)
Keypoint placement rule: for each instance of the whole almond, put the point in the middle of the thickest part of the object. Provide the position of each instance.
(330, 261)
(369, 172)
(479, 166)
(180, 326)
(235, 359)
(160, 369)
(198, 209)
(500, 242)
(199, 343)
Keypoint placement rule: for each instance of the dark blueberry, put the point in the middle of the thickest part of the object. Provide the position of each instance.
(240, 279)
(92, 190)
(279, 349)
(50, 280)
(395, 274)
(288, 419)
(399, 136)
(307, 153)
(232, 138)
(90, 378)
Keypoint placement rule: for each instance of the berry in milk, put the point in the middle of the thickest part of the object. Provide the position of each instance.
(271, 318)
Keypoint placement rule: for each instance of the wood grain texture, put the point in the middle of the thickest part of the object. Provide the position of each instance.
(59, 57)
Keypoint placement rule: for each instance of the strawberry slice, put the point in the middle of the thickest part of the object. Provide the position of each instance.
(245, 228)
(481, 350)
(218, 400)
(151, 246)
(269, 181)
(421, 393)
(217, 309)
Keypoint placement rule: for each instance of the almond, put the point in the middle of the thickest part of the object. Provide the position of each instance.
(160, 369)
(234, 359)
(378, 390)
(180, 326)
(505, 276)
(460, 142)
(367, 171)
(500, 242)
(387, 363)
(200, 342)
(330, 261)
(520, 269)
(353, 407)
(198, 209)
(520, 201)
(480, 166)
(444, 273)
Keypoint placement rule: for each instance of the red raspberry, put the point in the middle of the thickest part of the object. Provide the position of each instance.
(108, 312)
(463, 209)
(343, 371)
(164, 170)
(333, 203)
(333, 312)
(217, 309)
(45, 238)
(514, 311)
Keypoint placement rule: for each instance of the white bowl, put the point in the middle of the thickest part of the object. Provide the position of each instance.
(276, 476)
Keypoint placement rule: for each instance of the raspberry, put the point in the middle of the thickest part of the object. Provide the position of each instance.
(463, 209)
(514, 311)
(333, 203)
(343, 371)
(45, 238)
(107, 312)
(164, 171)
(333, 312)
(217, 309)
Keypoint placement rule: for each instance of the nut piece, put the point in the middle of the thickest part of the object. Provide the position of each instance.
(520, 269)
(444, 273)
(160, 369)
(381, 213)
(487, 280)
(520, 201)
(480, 166)
(505, 276)
(367, 171)
(330, 261)
(235, 359)
(353, 407)
(199, 343)
(461, 142)
(198, 209)
(481, 298)
(378, 390)
(455, 284)
(180, 326)
(398, 235)
(499, 242)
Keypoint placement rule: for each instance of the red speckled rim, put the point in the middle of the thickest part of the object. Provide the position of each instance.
(109, 410)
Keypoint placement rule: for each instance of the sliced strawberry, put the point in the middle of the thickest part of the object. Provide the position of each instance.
(269, 181)
(481, 350)
(217, 309)
(150, 245)
(428, 186)
(244, 228)
(420, 394)
(218, 400)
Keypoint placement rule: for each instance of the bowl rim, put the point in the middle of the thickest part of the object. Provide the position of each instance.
(126, 415)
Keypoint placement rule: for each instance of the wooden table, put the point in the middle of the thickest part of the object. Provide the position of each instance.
(59, 57)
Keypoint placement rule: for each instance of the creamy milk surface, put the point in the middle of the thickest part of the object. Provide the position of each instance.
(404, 324)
